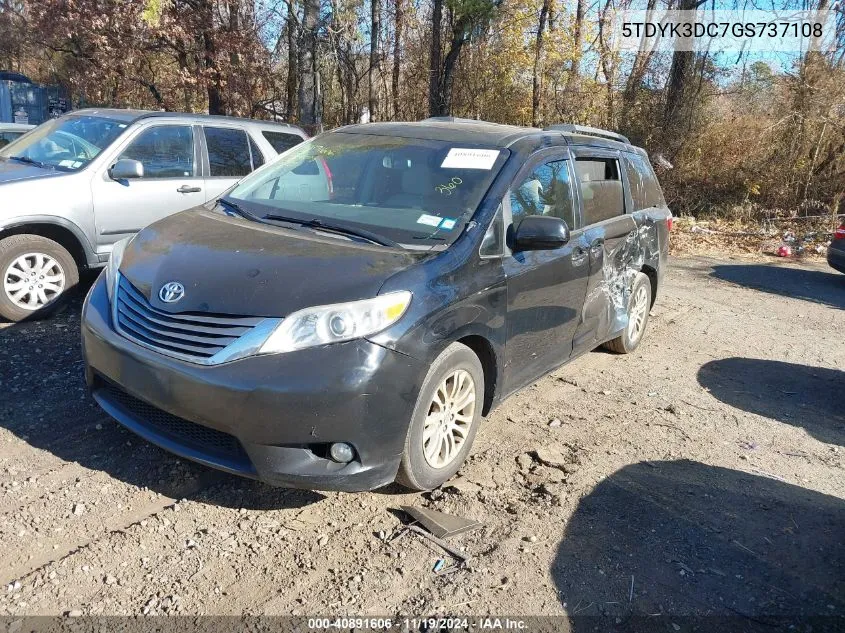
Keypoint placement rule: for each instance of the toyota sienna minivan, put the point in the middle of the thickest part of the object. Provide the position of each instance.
(345, 315)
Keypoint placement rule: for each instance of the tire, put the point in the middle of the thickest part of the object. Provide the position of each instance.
(630, 340)
(458, 363)
(22, 253)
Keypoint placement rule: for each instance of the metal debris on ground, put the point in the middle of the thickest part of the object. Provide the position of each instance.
(440, 524)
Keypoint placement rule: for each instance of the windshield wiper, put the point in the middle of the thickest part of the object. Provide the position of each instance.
(238, 209)
(31, 161)
(314, 223)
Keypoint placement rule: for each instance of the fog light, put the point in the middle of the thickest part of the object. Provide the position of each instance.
(341, 452)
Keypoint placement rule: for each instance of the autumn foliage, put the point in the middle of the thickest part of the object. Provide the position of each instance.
(746, 137)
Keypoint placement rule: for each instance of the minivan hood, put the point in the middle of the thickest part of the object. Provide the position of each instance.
(231, 265)
(14, 171)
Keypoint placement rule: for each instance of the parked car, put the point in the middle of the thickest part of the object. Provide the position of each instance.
(10, 131)
(836, 250)
(355, 336)
(76, 185)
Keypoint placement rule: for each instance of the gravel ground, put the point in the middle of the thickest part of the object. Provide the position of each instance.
(702, 475)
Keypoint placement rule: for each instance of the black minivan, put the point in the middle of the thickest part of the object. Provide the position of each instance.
(345, 315)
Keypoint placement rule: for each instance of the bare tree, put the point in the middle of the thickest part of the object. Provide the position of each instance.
(309, 78)
(537, 86)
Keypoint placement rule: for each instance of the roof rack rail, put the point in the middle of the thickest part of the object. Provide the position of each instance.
(450, 119)
(584, 129)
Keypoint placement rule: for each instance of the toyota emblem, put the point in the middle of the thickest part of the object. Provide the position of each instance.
(171, 292)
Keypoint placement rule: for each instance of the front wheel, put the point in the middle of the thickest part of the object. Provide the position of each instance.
(36, 272)
(445, 419)
(639, 305)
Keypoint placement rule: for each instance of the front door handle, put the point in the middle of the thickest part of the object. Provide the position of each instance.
(188, 189)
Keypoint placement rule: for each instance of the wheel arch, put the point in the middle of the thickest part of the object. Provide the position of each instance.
(486, 353)
(651, 273)
(67, 235)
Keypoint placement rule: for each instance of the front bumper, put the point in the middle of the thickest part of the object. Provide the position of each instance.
(836, 255)
(268, 417)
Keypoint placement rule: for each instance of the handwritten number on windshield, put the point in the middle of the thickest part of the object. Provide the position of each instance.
(448, 187)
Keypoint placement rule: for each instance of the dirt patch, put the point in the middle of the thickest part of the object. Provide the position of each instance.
(701, 475)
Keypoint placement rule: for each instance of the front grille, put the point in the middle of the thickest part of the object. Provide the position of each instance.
(184, 432)
(189, 336)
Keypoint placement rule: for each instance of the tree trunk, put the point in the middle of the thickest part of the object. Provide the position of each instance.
(638, 69)
(435, 84)
(293, 63)
(397, 49)
(678, 88)
(573, 82)
(308, 85)
(375, 66)
(212, 71)
(537, 88)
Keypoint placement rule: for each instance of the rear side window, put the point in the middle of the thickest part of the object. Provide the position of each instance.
(645, 191)
(601, 188)
(545, 191)
(228, 152)
(282, 141)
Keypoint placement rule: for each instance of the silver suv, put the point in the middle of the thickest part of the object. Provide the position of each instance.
(75, 185)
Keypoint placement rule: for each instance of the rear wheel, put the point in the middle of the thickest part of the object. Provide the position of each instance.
(445, 419)
(36, 273)
(639, 305)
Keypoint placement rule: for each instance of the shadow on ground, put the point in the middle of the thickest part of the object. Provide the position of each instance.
(819, 286)
(44, 401)
(706, 546)
(809, 397)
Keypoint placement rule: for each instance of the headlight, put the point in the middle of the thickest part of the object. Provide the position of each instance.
(336, 323)
(114, 263)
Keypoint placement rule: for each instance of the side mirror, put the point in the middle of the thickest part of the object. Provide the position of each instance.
(540, 233)
(126, 169)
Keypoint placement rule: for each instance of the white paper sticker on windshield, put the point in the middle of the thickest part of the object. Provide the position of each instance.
(467, 158)
(430, 220)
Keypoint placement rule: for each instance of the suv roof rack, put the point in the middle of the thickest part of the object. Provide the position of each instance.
(453, 119)
(584, 129)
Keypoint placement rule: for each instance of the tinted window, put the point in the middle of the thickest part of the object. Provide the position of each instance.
(545, 191)
(281, 141)
(257, 156)
(228, 152)
(645, 190)
(601, 188)
(166, 151)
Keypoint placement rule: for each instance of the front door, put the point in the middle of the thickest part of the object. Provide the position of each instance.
(171, 182)
(545, 288)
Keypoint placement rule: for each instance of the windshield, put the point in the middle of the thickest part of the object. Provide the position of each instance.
(416, 192)
(68, 143)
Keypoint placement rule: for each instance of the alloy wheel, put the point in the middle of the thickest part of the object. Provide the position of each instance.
(639, 310)
(450, 415)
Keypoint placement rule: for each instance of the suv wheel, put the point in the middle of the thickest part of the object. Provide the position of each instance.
(445, 419)
(639, 305)
(35, 272)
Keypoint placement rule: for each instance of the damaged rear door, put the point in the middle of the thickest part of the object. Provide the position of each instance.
(611, 235)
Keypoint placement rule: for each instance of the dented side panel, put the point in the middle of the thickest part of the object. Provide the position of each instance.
(624, 247)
